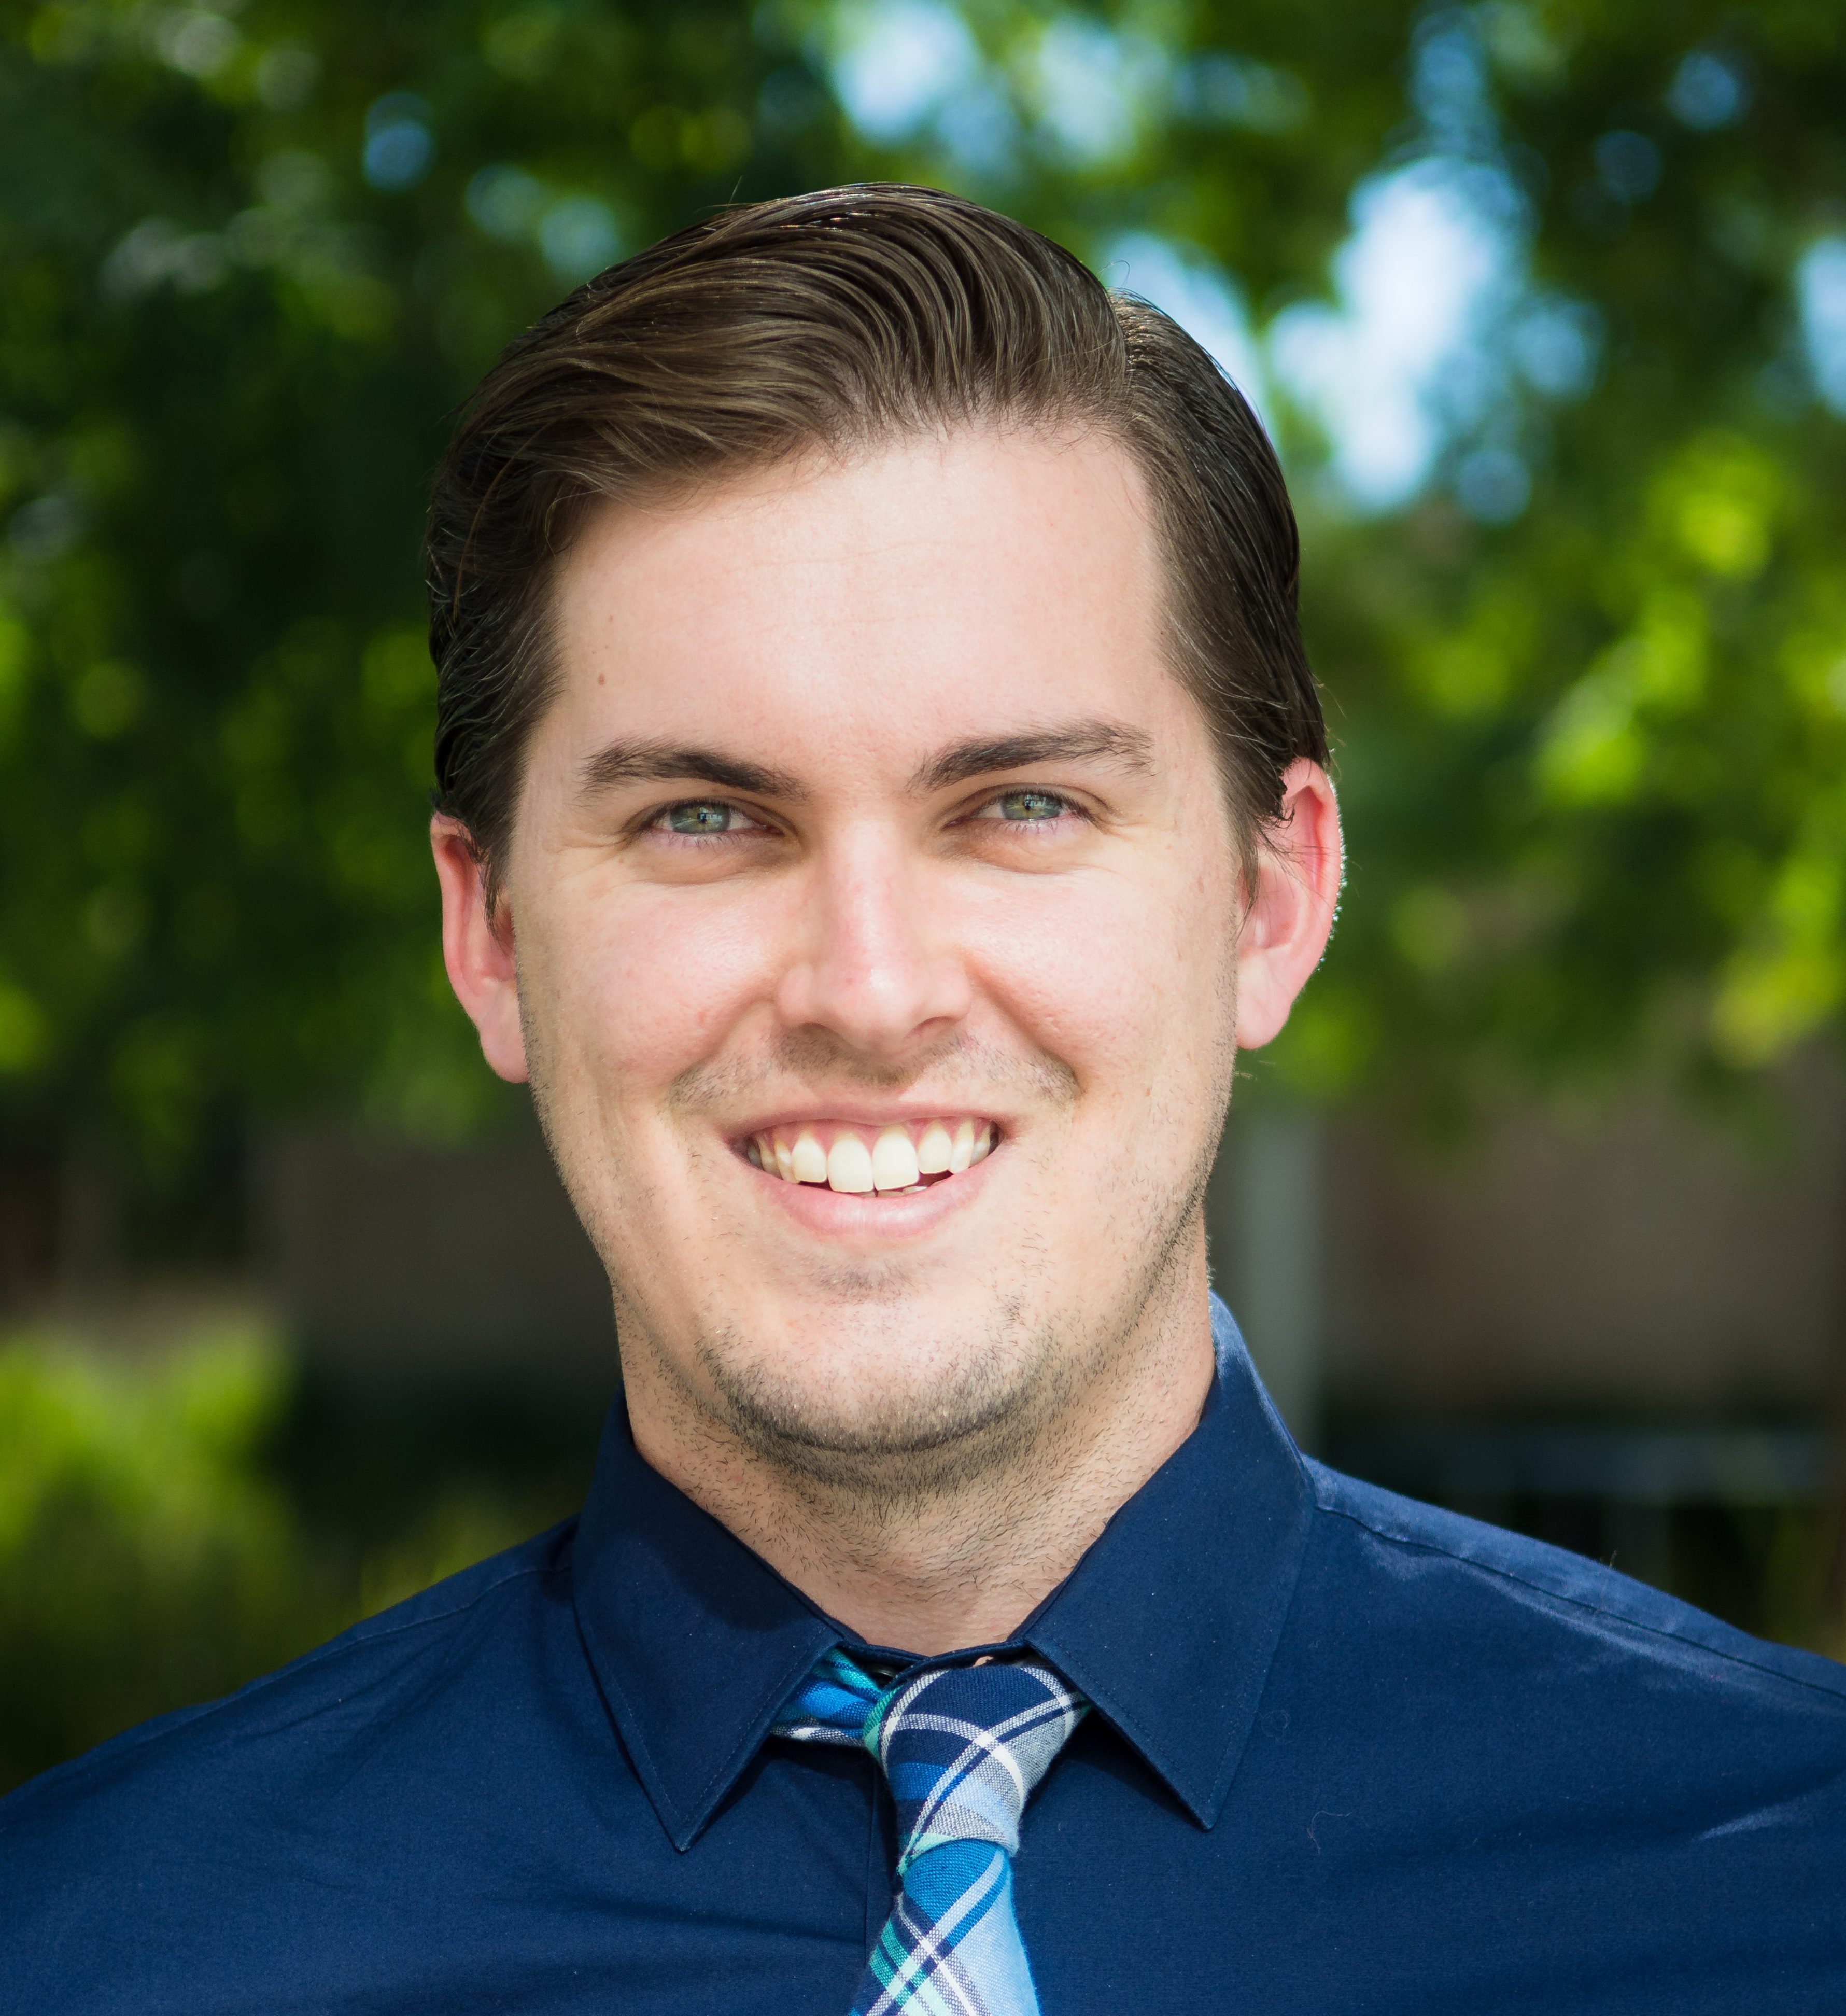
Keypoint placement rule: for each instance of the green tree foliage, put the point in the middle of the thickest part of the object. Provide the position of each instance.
(1597, 756)
(144, 1560)
(171, 1524)
(1588, 665)
(251, 260)
(1587, 672)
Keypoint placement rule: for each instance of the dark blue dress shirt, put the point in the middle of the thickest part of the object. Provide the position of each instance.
(1348, 1753)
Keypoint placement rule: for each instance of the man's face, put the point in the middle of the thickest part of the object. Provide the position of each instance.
(868, 803)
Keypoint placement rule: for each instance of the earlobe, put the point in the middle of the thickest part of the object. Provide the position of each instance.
(477, 948)
(1291, 912)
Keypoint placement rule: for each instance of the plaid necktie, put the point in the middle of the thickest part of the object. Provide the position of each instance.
(962, 1746)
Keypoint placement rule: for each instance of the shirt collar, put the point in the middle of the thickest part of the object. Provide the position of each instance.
(696, 1642)
(1170, 1622)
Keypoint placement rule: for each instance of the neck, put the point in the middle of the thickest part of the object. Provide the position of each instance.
(931, 1566)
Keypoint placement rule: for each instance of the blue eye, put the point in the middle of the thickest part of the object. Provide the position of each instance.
(1029, 805)
(701, 815)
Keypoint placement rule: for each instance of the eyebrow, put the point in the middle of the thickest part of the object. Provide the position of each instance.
(1077, 742)
(669, 762)
(666, 762)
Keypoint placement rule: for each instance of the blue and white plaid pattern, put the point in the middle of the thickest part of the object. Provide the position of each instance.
(962, 1746)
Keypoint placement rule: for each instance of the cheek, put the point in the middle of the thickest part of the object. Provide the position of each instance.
(1121, 977)
(657, 978)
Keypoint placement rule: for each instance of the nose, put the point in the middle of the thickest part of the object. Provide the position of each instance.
(873, 968)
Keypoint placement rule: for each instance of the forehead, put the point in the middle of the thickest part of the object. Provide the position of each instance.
(982, 581)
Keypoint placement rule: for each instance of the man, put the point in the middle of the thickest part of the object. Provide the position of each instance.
(881, 788)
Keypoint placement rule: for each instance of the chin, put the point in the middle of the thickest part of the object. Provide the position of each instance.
(883, 1385)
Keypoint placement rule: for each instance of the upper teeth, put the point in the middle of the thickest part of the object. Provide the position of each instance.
(858, 1160)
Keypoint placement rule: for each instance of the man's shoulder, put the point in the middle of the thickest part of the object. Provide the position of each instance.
(248, 1747)
(1451, 1578)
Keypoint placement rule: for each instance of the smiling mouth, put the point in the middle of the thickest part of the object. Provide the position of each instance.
(890, 1161)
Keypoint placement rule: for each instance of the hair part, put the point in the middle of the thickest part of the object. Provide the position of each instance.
(837, 321)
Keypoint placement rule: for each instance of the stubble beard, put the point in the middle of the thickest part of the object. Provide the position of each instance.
(1005, 1416)
(995, 1423)
(1000, 1393)
(1012, 1391)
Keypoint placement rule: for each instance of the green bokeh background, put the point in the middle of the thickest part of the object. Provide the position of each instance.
(1593, 754)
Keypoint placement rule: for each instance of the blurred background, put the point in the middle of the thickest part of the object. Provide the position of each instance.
(1537, 1209)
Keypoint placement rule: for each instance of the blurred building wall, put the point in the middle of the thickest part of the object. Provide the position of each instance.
(1648, 1260)
(399, 1259)
(1646, 1263)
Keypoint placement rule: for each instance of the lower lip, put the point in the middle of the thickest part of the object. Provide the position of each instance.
(847, 1214)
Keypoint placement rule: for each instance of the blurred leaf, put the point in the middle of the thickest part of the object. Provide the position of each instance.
(155, 1550)
(1586, 669)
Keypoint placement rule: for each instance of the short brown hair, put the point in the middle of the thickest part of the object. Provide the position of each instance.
(837, 320)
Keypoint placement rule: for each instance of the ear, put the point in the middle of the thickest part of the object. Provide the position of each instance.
(477, 948)
(1291, 912)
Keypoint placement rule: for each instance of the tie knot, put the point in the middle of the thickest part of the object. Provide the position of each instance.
(962, 1746)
